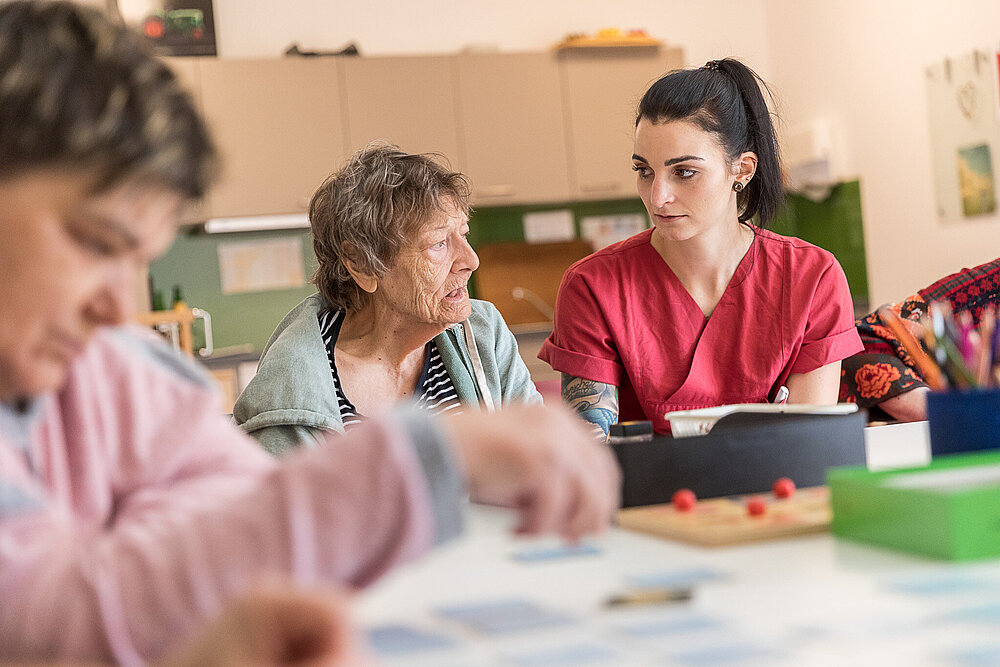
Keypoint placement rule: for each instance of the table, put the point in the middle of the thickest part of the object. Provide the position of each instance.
(811, 600)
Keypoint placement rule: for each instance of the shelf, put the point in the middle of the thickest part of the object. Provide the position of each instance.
(603, 43)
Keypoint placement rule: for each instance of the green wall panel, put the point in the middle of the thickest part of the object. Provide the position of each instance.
(193, 263)
(833, 224)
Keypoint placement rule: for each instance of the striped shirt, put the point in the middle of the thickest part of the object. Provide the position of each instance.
(434, 392)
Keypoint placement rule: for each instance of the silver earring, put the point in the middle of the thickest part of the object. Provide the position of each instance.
(738, 187)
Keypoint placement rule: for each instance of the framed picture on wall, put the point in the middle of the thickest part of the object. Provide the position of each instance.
(175, 27)
(965, 134)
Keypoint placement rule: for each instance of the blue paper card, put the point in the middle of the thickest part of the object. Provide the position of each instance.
(558, 552)
(988, 614)
(402, 639)
(667, 625)
(939, 585)
(977, 656)
(684, 578)
(583, 653)
(503, 616)
(726, 654)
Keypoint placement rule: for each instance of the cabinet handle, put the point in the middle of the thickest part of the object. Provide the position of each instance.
(496, 191)
(601, 187)
(203, 315)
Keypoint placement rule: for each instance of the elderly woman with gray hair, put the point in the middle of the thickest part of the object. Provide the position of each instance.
(393, 320)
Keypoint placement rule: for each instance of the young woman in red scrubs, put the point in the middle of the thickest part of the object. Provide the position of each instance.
(707, 307)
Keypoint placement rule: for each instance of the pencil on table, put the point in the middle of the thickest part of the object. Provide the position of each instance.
(650, 596)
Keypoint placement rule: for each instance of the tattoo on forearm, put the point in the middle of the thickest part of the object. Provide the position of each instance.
(597, 402)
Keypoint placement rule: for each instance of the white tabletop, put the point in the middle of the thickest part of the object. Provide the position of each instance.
(811, 600)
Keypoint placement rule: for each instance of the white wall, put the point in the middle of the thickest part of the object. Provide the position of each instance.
(862, 63)
(708, 29)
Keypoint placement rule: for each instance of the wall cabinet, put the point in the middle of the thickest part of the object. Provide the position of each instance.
(186, 70)
(526, 127)
(407, 101)
(602, 88)
(278, 125)
(511, 113)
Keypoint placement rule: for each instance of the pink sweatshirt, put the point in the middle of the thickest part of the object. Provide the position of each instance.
(130, 508)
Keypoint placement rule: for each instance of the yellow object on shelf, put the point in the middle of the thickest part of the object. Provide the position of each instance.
(608, 37)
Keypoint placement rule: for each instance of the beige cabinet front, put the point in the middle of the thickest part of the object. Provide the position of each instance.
(603, 88)
(278, 125)
(186, 71)
(511, 113)
(408, 101)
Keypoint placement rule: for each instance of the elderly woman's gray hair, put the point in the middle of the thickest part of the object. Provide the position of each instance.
(367, 210)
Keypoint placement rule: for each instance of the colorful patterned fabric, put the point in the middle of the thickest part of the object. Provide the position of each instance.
(885, 370)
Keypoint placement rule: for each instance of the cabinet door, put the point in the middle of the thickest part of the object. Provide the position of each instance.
(511, 113)
(407, 101)
(603, 88)
(186, 71)
(278, 126)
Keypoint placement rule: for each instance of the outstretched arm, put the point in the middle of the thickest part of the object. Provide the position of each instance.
(596, 402)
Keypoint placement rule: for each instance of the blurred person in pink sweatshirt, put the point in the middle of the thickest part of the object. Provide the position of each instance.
(131, 510)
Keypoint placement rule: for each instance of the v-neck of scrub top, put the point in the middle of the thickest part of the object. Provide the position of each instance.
(710, 365)
(693, 312)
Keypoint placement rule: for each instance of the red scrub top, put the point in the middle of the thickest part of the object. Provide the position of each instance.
(623, 318)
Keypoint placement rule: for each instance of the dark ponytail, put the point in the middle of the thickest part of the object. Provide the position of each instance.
(724, 97)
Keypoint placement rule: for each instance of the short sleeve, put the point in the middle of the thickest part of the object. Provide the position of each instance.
(582, 343)
(829, 334)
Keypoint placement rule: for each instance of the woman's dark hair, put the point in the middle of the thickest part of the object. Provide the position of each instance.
(724, 97)
(79, 90)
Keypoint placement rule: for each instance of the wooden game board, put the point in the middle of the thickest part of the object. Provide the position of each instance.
(722, 521)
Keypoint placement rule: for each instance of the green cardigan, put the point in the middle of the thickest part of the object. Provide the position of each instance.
(291, 401)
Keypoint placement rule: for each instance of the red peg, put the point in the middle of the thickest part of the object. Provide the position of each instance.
(784, 488)
(683, 500)
(756, 507)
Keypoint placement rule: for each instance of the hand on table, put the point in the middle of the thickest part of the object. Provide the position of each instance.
(278, 625)
(542, 461)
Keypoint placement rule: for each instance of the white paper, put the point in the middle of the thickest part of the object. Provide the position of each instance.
(549, 226)
(603, 230)
(685, 423)
(257, 266)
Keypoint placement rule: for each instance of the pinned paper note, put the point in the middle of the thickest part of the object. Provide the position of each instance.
(257, 266)
(549, 226)
(603, 230)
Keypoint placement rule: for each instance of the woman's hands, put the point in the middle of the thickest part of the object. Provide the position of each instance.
(278, 625)
(541, 461)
